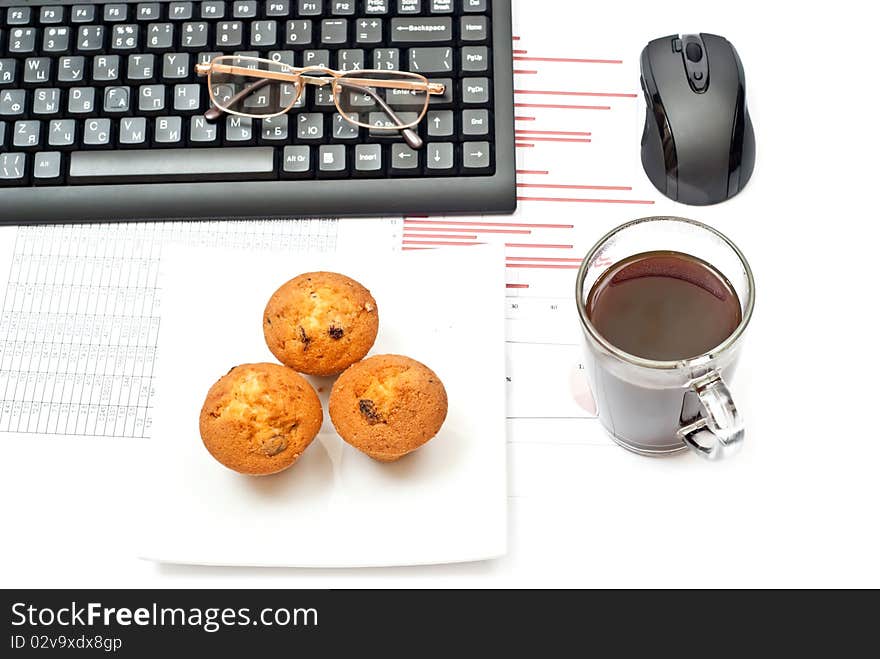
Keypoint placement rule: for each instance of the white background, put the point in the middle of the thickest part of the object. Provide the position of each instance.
(797, 508)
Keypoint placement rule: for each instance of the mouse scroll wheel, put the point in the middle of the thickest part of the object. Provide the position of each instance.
(694, 52)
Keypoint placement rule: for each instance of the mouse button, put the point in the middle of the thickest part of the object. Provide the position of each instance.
(676, 45)
(694, 52)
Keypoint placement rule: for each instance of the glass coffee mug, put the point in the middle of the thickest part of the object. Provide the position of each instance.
(655, 407)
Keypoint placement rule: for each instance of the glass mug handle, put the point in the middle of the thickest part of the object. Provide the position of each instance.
(719, 431)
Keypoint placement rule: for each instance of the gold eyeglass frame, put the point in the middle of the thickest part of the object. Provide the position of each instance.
(321, 77)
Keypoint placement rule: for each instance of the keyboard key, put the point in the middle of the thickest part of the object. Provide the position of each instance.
(274, 129)
(334, 31)
(342, 7)
(180, 11)
(105, 68)
(263, 34)
(115, 13)
(90, 38)
(47, 167)
(430, 60)
(96, 132)
(82, 13)
(376, 7)
(439, 156)
(368, 31)
(148, 11)
(62, 132)
(2, 134)
(316, 58)
(298, 32)
(440, 123)
(12, 102)
(187, 98)
(171, 164)
(18, 16)
(212, 9)
(475, 91)
(160, 36)
(244, 9)
(404, 160)
(202, 131)
(7, 72)
(278, 8)
(331, 159)
(239, 129)
(296, 161)
(141, 68)
(26, 134)
(51, 15)
(194, 36)
(310, 126)
(420, 30)
(168, 130)
(56, 40)
(475, 122)
(474, 28)
(36, 70)
(133, 131)
(475, 6)
(175, 66)
(441, 6)
(309, 7)
(124, 37)
(409, 6)
(81, 100)
(47, 101)
(151, 98)
(386, 59)
(367, 158)
(71, 69)
(350, 60)
(474, 59)
(344, 129)
(117, 99)
(22, 40)
(12, 168)
(476, 156)
(228, 35)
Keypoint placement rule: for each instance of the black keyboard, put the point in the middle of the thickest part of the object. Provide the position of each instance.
(102, 115)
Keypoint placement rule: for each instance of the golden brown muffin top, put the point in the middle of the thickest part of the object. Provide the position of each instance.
(259, 418)
(320, 322)
(388, 405)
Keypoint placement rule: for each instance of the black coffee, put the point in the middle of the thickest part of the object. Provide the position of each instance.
(664, 305)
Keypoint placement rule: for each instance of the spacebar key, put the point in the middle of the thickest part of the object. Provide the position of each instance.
(244, 163)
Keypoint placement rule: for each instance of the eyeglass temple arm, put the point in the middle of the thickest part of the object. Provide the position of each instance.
(409, 135)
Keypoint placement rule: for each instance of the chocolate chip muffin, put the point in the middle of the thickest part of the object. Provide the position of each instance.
(388, 406)
(321, 323)
(259, 418)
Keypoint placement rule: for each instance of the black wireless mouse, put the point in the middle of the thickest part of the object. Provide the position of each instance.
(699, 145)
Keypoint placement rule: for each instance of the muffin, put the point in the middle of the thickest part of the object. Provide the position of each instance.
(388, 406)
(259, 418)
(321, 323)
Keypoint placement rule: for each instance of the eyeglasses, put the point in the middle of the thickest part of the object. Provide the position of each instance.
(262, 89)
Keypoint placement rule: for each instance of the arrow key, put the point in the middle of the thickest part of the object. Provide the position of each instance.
(440, 123)
(439, 157)
(476, 157)
(404, 160)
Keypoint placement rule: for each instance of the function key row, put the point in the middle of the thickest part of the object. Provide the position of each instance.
(241, 9)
